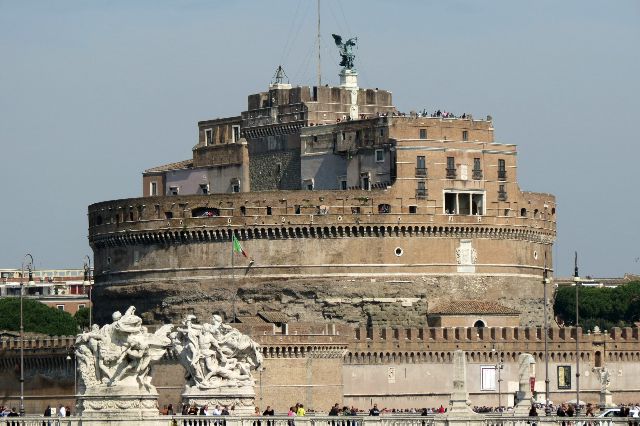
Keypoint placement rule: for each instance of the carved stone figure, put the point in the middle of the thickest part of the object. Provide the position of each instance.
(604, 377)
(119, 353)
(114, 366)
(346, 51)
(215, 355)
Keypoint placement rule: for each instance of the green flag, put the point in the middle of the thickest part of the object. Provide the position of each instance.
(237, 248)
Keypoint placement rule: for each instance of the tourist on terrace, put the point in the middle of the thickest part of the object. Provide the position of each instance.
(256, 413)
(291, 414)
(374, 411)
(300, 412)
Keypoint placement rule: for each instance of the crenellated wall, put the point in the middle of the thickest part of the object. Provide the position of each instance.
(400, 367)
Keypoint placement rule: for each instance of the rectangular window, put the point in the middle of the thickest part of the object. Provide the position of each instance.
(477, 204)
(413, 209)
(488, 377)
(464, 206)
(477, 169)
(451, 168)
(502, 193)
(450, 203)
(81, 306)
(60, 307)
(208, 137)
(379, 156)
(173, 190)
(465, 135)
(502, 170)
(235, 133)
(464, 202)
(343, 184)
(308, 184)
(421, 166)
(423, 133)
(204, 188)
(421, 190)
(269, 211)
(235, 187)
(365, 182)
(420, 162)
(154, 189)
(564, 377)
(451, 164)
(297, 208)
(355, 210)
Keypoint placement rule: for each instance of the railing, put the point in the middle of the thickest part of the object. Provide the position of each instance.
(451, 173)
(477, 175)
(502, 195)
(421, 172)
(502, 175)
(359, 420)
(421, 194)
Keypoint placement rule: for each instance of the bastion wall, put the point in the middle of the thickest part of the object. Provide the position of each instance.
(315, 256)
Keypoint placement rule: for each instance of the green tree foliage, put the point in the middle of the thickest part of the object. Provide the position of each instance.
(82, 318)
(601, 306)
(38, 317)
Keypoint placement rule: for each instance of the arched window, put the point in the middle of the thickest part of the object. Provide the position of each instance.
(479, 324)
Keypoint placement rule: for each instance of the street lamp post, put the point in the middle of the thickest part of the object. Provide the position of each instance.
(576, 279)
(545, 281)
(498, 366)
(87, 281)
(29, 266)
(75, 369)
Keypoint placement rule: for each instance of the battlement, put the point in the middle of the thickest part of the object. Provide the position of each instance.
(296, 208)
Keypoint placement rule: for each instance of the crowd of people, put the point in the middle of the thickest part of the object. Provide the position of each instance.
(298, 410)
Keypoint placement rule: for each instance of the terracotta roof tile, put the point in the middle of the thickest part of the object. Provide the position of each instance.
(171, 166)
(274, 316)
(250, 320)
(470, 307)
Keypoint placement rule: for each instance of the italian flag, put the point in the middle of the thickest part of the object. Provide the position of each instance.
(237, 248)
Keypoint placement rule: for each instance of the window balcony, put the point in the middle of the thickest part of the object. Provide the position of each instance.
(502, 195)
(421, 172)
(477, 175)
(502, 175)
(421, 194)
(451, 173)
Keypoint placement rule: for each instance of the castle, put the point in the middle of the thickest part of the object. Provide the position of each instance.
(348, 209)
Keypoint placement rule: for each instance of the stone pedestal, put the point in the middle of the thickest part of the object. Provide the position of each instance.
(239, 400)
(606, 400)
(117, 403)
(349, 80)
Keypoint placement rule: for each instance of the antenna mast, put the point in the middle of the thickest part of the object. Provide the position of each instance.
(319, 68)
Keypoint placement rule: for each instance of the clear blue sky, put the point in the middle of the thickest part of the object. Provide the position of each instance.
(94, 92)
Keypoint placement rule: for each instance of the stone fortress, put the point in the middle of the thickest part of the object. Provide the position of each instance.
(378, 244)
(349, 210)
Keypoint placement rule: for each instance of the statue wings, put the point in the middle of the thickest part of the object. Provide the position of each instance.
(337, 39)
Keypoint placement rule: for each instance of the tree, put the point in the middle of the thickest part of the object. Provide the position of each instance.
(82, 318)
(37, 317)
(601, 306)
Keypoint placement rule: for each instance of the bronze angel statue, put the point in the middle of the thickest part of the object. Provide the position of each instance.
(346, 51)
